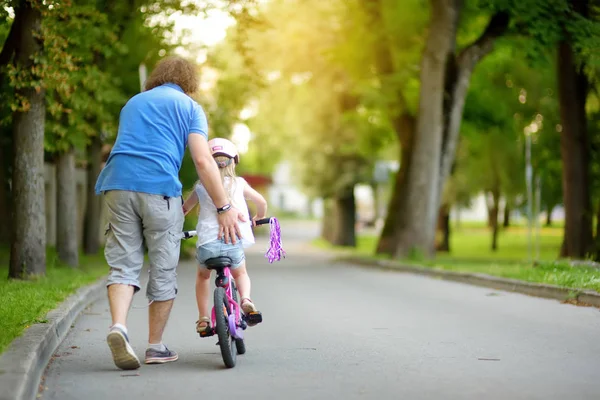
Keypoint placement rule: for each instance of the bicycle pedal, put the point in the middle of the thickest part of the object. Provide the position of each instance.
(254, 318)
(207, 333)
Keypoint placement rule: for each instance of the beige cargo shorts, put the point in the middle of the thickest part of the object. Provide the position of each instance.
(137, 219)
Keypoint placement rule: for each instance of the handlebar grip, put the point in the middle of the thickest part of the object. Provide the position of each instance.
(263, 221)
(189, 234)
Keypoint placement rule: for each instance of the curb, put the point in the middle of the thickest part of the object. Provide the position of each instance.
(25, 360)
(581, 297)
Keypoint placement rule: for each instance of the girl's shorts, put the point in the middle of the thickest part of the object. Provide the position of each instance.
(218, 248)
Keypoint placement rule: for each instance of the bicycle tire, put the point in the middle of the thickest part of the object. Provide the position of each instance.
(228, 352)
(239, 343)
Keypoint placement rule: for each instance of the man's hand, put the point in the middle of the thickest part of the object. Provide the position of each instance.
(228, 225)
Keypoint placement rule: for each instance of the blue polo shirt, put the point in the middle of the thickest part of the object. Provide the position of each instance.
(153, 130)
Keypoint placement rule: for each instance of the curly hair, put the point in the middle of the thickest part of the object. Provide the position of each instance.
(177, 70)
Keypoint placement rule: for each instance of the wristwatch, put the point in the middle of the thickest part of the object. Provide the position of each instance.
(224, 209)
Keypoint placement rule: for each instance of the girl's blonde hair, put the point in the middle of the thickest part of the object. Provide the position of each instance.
(226, 172)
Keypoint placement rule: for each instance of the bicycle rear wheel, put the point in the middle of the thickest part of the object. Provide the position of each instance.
(228, 352)
(239, 343)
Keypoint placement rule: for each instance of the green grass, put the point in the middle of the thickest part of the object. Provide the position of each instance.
(23, 303)
(471, 252)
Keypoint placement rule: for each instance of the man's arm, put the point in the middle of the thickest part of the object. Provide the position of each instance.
(209, 175)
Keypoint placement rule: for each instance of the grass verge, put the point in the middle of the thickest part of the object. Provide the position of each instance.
(470, 252)
(23, 303)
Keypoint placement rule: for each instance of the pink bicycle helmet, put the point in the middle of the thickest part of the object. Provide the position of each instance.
(223, 147)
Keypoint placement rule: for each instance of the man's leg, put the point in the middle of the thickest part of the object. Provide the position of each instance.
(158, 315)
(119, 299)
(125, 255)
(162, 225)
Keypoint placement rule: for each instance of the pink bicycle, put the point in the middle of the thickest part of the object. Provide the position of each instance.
(228, 320)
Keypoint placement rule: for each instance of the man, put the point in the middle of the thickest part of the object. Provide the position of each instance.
(140, 183)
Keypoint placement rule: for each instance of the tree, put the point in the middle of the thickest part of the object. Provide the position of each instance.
(6, 98)
(444, 79)
(78, 96)
(573, 90)
(28, 247)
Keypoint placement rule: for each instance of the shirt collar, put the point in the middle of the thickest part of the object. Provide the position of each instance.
(174, 86)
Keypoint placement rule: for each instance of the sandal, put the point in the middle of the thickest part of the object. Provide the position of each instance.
(253, 316)
(248, 306)
(203, 329)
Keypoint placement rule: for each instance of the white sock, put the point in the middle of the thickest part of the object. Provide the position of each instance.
(158, 347)
(122, 327)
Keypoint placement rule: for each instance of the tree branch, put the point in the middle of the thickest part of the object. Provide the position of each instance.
(474, 52)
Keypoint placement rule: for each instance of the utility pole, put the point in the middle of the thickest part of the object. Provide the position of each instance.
(528, 179)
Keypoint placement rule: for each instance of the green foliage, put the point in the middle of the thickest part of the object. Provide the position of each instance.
(505, 97)
(80, 96)
(551, 21)
(317, 98)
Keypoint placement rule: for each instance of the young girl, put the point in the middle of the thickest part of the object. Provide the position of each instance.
(208, 246)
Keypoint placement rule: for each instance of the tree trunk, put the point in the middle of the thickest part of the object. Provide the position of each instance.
(490, 217)
(597, 238)
(549, 209)
(328, 221)
(494, 218)
(93, 209)
(345, 220)
(457, 79)
(506, 222)
(28, 247)
(66, 209)
(444, 229)
(387, 239)
(419, 214)
(574, 146)
(5, 191)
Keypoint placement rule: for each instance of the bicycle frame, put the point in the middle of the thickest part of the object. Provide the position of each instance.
(234, 315)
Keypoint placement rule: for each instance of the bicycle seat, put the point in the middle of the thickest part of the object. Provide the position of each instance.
(218, 262)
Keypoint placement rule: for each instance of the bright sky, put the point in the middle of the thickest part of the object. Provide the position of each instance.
(201, 30)
(208, 31)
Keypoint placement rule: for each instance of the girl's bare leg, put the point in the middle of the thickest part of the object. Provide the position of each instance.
(242, 280)
(202, 295)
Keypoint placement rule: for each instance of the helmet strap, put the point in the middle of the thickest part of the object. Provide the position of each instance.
(224, 164)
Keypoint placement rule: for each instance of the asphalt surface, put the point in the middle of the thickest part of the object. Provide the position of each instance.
(340, 331)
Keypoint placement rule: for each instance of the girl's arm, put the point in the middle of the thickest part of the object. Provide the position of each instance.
(190, 202)
(258, 200)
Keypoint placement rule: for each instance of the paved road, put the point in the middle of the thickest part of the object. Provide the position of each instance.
(338, 331)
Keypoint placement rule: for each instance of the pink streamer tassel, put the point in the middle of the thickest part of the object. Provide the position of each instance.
(275, 251)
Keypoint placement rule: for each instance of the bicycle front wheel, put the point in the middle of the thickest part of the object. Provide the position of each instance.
(222, 327)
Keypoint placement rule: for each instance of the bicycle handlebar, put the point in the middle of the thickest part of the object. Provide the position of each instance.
(190, 234)
(263, 221)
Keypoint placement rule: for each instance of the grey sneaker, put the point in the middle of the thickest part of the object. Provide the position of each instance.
(160, 357)
(123, 355)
